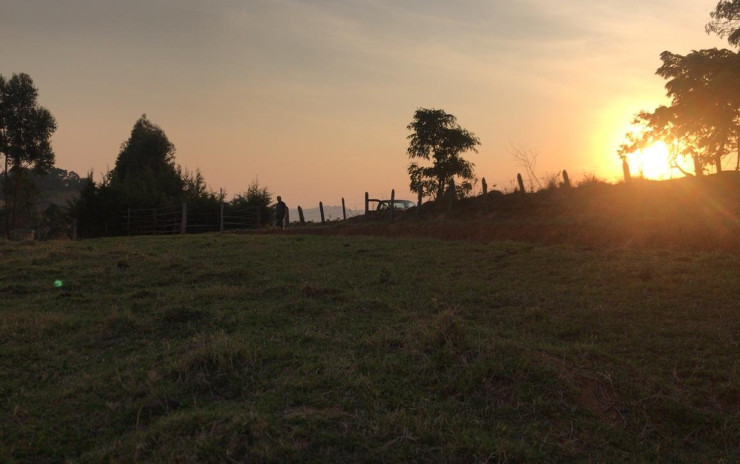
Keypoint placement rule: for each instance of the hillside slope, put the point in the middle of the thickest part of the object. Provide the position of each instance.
(682, 214)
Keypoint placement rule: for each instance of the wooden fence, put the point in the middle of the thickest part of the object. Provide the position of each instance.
(164, 221)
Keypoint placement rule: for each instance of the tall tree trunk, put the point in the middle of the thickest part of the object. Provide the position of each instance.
(718, 159)
(698, 167)
(440, 188)
(16, 187)
(5, 199)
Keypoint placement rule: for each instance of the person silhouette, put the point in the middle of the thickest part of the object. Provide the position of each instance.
(281, 213)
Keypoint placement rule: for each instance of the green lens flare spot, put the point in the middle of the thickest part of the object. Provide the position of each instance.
(57, 283)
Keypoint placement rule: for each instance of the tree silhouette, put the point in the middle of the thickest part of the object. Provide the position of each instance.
(438, 138)
(726, 21)
(703, 87)
(704, 116)
(25, 130)
(97, 211)
(254, 197)
(662, 125)
(145, 174)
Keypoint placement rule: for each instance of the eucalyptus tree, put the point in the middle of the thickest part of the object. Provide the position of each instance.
(437, 137)
(25, 132)
(145, 174)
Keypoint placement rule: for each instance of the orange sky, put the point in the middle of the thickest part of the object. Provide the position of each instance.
(313, 96)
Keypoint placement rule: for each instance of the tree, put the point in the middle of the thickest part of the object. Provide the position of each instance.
(703, 88)
(97, 209)
(145, 174)
(526, 158)
(726, 21)
(703, 120)
(59, 180)
(201, 201)
(194, 186)
(438, 138)
(254, 197)
(704, 116)
(25, 132)
(663, 125)
(54, 222)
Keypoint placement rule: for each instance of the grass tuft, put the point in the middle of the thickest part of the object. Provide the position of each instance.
(217, 365)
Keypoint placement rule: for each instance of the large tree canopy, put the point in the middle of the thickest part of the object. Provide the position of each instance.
(25, 133)
(703, 120)
(703, 87)
(145, 174)
(437, 137)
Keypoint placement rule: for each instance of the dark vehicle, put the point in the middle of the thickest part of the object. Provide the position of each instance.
(385, 205)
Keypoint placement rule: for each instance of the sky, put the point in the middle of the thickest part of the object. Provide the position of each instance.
(311, 98)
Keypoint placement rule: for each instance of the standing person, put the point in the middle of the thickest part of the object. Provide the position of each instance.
(281, 211)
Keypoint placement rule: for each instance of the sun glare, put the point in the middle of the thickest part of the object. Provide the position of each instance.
(652, 161)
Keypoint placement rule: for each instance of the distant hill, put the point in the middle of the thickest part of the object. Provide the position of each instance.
(57, 187)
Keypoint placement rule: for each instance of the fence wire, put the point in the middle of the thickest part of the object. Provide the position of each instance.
(174, 220)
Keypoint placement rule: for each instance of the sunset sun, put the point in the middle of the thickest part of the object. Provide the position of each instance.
(652, 161)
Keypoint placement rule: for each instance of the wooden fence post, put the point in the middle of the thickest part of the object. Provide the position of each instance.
(626, 171)
(221, 210)
(321, 208)
(300, 215)
(367, 202)
(184, 220)
(485, 186)
(521, 184)
(221, 216)
(393, 202)
(344, 210)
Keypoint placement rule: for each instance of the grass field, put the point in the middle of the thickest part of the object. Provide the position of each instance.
(257, 348)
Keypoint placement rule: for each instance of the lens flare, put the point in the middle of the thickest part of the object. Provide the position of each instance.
(58, 283)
